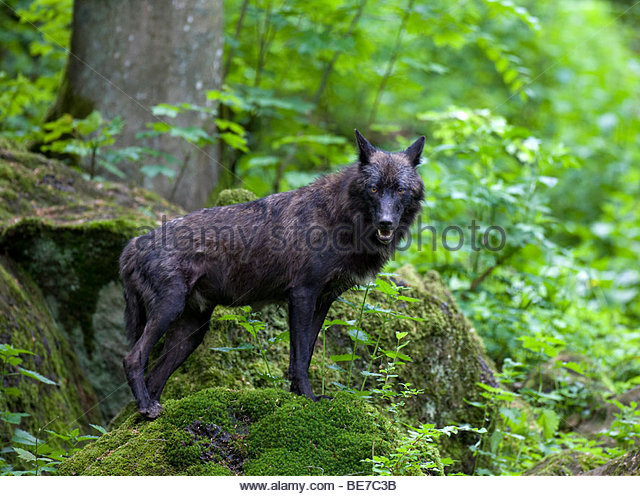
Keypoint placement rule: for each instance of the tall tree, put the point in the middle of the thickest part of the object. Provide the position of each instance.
(129, 55)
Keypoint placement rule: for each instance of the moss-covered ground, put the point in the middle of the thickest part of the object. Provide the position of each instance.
(26, 323)
(627, 464)
(248, 432)
(567, 463)
(448, 358)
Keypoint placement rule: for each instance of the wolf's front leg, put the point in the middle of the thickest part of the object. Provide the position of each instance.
(302, 304)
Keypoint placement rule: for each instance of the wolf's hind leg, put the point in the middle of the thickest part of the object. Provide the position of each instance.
(183, 337)
(168, 306)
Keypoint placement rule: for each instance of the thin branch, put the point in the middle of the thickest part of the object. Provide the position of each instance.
(329, 68)
(183, 169)
(92, 163)
(239, 24)
(392, 60)
(264, 43)
(488, 271)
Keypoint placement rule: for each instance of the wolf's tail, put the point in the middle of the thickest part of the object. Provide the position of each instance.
(135, 314)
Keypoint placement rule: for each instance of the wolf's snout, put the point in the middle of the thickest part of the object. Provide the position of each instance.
(385, 230)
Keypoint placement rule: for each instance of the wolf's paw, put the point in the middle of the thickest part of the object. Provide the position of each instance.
(153, 411)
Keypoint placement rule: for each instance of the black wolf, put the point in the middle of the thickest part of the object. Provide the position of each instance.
(305, 247)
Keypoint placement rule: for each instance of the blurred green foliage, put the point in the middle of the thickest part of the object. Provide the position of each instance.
(532, 116)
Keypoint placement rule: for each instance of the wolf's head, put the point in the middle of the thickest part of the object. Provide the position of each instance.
(391, 187)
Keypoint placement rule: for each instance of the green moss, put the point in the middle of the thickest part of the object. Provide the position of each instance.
(67, 233)
(6, 143)
(26, 323)
(34, 186)
(567, 463)
(627, 464)
(448, 358)
(232, 196)
(123, 415)
(137, 448)
(247, 432)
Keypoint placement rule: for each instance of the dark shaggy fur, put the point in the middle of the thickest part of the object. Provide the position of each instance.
(305, 247)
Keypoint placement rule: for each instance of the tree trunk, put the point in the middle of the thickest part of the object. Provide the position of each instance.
(128, 55)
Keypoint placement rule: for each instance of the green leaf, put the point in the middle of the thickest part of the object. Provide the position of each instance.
(545, 344)
(234, 127)
(346, 357)
(164, 109)
(370, 374)
(99, 428)
(64, 437)
(282, 337)
(575, 367)
(55, 129)
(397, 355)
(192, 134)
(229, 99)
(340, 322)
(385, 287)
(359, 336)
(494, 440)
(242, 347)
(110, 167)
(153, 170)
(549, 421)
(88, 437)
(497, 393)
(12, 418)
(235, 141)
(24, 454)
(89, 124)
(37, 376)
(24, 437)
(322, 139)
(263, 161)
(159, 127)
(407, 298)
(548, 181)
(44, 449)
(6, 350)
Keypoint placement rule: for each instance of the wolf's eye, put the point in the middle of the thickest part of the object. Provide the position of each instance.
(400, 190)
(374, 189)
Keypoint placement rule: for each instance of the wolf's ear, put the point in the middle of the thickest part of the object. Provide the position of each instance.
(415, 150)
(365, 149)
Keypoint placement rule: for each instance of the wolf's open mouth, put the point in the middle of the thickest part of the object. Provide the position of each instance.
(385, 235)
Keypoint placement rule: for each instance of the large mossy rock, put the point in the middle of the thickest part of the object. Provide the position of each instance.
(627, 464)
(586, 463)
(248, 432)
(66, 233)
(26, 324)
(448, 358)
(567, 462)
